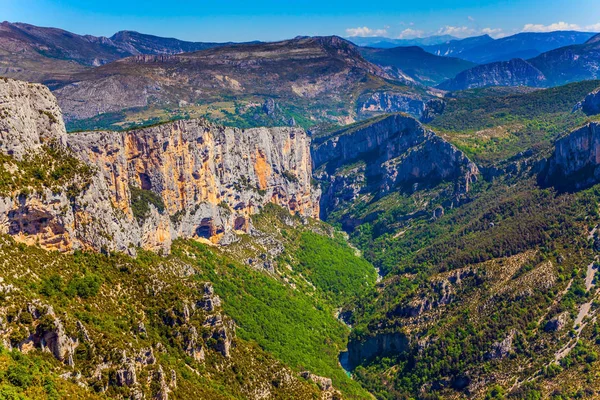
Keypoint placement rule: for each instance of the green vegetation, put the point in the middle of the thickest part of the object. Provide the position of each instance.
(510, 236)
(333, 267)
(32, 376)
(53, 167)
(141, 200)
(277, 322)
(489, 127)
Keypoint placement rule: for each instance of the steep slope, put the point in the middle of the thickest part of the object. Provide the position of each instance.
(490, 296)
(571, 63)
(591, 104)
(49, 54)
(457, 47)
(307, 80)
(416, 63)
(575, 163)
(106, 190)
(522, 45)
(365, 162)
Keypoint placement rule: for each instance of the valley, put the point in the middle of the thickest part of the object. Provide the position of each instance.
(308, 218)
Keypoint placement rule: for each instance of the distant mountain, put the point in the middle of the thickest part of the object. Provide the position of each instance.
(39, 54)
(484, 49)
(415, 62)
(571, 63)
(139, 43)
(515, 72)
(457, 47)
(386, 43)
(552, 68)
(307, 80)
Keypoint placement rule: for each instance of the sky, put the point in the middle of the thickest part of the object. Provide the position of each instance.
(269, 20)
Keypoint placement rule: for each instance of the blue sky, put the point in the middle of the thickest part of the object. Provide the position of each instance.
(238, 20)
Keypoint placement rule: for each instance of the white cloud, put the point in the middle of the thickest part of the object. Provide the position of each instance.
(493, 32)
(458, 31)
(593, 28)
(557, 26)
(411, 34)
(365, 32)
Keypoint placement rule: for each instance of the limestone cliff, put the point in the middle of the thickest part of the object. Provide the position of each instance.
(575, 163)
(386, 154)
(189, 179)
(591, 104)
(29, 117)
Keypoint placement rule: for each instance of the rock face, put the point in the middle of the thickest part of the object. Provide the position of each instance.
(591, 104)
(381, 345)
(189, 179)
(575, 163)
(391, 102)
(384, 155)
(433, 108)
(515, 72)
(29, 118)
(557, 323)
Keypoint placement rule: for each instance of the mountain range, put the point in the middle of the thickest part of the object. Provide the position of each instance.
(415, 62)
(38, 53)
(385, 43)
(552, 68)
(299, 81)
(484, 49)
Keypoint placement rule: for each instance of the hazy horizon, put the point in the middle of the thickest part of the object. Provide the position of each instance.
(271, 20)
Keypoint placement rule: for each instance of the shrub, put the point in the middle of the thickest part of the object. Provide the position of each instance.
(85, 286)
(52, 286)
(141, 200)
(19, 376)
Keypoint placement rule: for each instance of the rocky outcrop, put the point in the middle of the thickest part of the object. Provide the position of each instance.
(515, 72)
(386, 154)
(558, 323)
(322, 382)
(189, 179)
(433, 108)
(575, 163)
(591, 104)
(502, 348)
(29, 118)
(379, 345)
(391, 102)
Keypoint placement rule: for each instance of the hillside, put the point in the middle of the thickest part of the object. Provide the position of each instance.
(302, 81)
(492, 126)
(487, 291)
(386, 43)
(415, 62)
